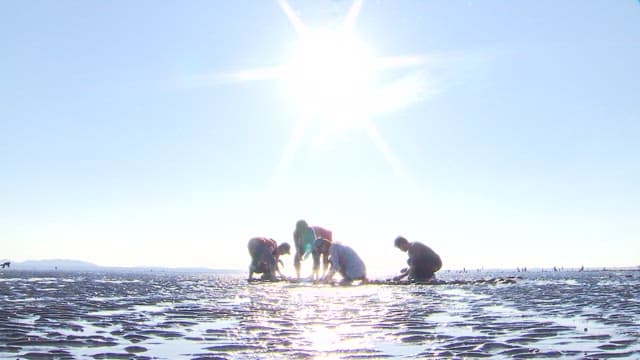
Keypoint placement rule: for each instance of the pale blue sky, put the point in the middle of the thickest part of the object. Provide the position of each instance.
(125, 138)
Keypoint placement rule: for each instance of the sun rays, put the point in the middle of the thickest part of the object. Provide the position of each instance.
(332, 81)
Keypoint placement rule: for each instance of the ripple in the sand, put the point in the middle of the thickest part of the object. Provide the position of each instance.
(594, 337)
(624, 342)
(414, 338)
(163, 333)
(522, 340)
(37, 356)
(136, 338)
(540, 334)
(233, 347)
(495, 346)
(517, 351)
(112, 356)
(474, 354)
(611, 355)
(135, 349)
(36, 342)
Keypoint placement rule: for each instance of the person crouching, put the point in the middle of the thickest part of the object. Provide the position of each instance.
(342, 259)
(423, 262)
(265, 257)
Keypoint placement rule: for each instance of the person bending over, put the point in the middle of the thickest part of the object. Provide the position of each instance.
(303, 238)
(320, 249)
(344, 260)
(265, 257)
(423, 262)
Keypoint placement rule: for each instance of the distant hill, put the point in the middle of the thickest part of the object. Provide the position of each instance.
(53, 264)
(78, 265)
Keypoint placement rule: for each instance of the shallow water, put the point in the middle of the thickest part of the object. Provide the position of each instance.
(67, 315)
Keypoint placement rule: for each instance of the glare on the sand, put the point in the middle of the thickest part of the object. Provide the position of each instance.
(332, 326)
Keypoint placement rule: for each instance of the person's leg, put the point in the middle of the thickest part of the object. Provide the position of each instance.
(267, 276)
(346, 279)
(325, 263)
(255, 247)
(420, 274)
(298, 242)
(296, 263)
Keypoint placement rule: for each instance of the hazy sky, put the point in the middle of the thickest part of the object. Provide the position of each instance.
(499, 133)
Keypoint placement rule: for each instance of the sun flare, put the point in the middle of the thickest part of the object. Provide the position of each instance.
(330, 78)
(332, 82)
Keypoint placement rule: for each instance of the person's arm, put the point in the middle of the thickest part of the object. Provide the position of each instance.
(296, 263)
(325, 263)
(329, 276)
(405, 273)
(278, 269)
(401, 276)
(335, 267)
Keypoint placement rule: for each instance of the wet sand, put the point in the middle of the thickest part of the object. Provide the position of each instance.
(74, 315)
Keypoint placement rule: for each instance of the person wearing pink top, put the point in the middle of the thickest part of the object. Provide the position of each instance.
(304, 236)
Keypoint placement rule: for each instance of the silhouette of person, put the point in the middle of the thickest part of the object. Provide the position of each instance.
(423, 262)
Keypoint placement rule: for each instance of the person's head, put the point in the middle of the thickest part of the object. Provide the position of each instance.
(320, 246)
(284, 248)
(401, 243)
(301, 226)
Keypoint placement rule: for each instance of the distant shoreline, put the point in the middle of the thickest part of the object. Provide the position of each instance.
(78, 265)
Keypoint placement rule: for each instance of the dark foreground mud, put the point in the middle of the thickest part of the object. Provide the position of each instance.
(62, 315)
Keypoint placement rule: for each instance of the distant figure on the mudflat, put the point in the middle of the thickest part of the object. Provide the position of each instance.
(303, 237)
(6, 264)
(423, 262)
(344, 260)
(265, 257)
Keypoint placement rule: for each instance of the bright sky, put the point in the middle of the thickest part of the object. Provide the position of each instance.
(501, 134)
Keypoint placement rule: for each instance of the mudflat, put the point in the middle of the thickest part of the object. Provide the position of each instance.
(143, 315)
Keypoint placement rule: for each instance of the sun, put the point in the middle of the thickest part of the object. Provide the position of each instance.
(329, 79)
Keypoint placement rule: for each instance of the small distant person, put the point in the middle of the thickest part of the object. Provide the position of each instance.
(423, 262)
(303, 237)
(343, 259)
(265, 257)
(6, 264)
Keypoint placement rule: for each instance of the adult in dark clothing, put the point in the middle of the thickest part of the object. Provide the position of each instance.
(423, 262)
